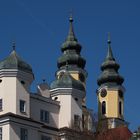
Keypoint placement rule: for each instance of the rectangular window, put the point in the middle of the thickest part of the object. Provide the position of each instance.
(0, 133)
(83, 121)
(44, 116)
(120, 108)
(45, 138)
(0, 104)
(77, 120)
(23, 134)
(22, 106)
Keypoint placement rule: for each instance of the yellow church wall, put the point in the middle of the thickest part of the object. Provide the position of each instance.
(112, 104)
(112, 100)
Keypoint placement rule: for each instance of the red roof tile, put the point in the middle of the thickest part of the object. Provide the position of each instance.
(120, 133)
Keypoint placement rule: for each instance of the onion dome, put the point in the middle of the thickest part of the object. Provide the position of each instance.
(110, 69)
(71, 50)
(13, 61)
(67, 81)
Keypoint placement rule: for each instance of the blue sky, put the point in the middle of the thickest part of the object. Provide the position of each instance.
(39, 27)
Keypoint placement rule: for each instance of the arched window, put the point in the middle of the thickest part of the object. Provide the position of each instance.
(120, 108)
(103, 107)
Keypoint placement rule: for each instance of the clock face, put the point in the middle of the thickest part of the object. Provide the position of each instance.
(120, 94)
(103, 93)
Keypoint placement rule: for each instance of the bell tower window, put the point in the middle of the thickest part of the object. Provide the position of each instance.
(120, 108)
(103, 107)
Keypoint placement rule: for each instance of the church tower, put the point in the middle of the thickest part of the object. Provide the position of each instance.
(16, 77)
(70, 83)
(110, 93)
(71, 58)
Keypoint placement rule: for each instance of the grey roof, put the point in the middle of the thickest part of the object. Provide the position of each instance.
(67, 81)
(109, 69)
(13, 61)
(71, 41)
(71, 50)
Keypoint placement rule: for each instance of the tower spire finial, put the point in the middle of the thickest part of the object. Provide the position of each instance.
(71, 17)
(71, 35)
(109, 38)
(14, 45)
(109, 52)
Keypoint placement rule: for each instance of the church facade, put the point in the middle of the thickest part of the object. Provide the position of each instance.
(58, 111)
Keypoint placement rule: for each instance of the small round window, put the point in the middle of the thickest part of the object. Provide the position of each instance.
(55, 98)
(22, 82)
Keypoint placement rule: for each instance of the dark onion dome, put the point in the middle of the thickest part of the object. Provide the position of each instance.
(110, 69)
(13, 61)
(73, 68)
(71, 50)
(71, 59)
(67, 81)
(71, 42)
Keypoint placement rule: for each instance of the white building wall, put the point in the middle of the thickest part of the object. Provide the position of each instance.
(76, 107)
(22, 94)
(68, 106)
(65, 111)
(6, 132)
(42, 103)
(12, 91)
(35, 132)
(8, 94)
(15, 133)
